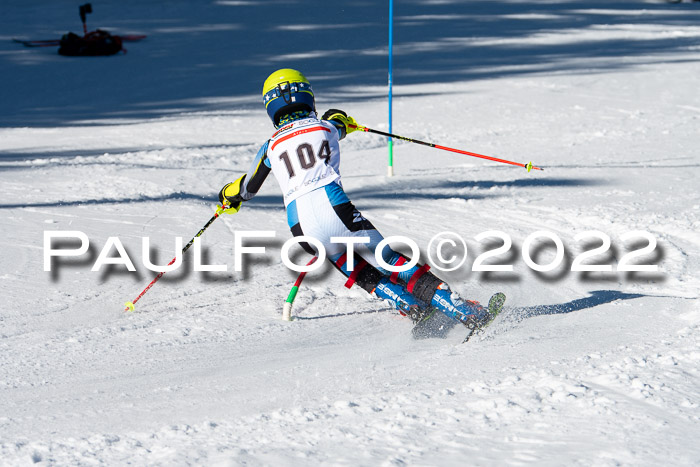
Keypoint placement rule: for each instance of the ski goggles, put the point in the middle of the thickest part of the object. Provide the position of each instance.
(285, 91)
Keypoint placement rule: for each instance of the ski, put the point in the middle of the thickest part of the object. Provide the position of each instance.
(494, 308)
(57, 42)
(438, 325)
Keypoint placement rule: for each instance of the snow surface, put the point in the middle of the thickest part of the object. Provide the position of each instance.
(582, 368)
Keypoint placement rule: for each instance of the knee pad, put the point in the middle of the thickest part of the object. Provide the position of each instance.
(423, 284)
(364, 275)
(368, 278)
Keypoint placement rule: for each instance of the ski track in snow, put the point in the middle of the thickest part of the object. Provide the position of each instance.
(581, 369)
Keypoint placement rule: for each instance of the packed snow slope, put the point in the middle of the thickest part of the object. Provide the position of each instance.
(582, 368)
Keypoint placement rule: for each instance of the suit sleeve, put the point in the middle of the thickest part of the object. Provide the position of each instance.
(258, 172)
(338, 126)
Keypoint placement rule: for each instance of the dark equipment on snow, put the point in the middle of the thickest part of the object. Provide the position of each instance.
(93, 43)
(98, 42)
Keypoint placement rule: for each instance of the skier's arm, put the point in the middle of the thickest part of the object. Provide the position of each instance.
(341, 120)
(247, 186)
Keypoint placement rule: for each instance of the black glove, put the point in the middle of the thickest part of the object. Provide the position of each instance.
(330, 112)
(340, 116)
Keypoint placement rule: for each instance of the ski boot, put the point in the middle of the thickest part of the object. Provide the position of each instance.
(470, 313)
(397, 297)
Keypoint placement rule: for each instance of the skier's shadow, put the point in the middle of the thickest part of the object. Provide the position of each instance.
(597, 297)
(440, 325)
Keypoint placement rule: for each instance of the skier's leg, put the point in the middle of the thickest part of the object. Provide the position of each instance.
(315, 215)
(374, 282)
(327, 212)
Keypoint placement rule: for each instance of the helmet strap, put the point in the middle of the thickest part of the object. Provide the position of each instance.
(286, 94)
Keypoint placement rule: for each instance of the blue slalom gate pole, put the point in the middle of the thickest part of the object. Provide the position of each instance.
(390, 167)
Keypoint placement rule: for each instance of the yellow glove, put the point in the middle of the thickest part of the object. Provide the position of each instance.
(340, 116)
(230, 196)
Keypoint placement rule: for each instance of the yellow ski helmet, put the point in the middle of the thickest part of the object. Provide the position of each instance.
(286, 91)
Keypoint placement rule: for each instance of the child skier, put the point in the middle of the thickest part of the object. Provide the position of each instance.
(304, 156)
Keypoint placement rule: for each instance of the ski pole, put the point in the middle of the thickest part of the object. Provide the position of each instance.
(528, 166)
(287, 311)
(130, 305)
